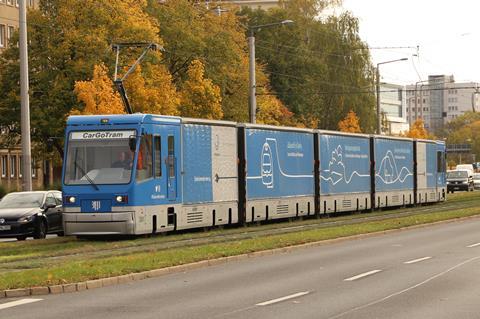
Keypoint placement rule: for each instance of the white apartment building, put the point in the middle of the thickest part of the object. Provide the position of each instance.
(392, 106)
(440, 99)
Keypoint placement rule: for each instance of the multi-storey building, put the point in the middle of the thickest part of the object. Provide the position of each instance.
(9, 19)
(392, 108)
(440, 99)
(11, 157)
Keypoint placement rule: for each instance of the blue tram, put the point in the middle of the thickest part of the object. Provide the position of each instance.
(142, 173)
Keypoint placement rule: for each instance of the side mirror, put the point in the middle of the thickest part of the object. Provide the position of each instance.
(48, 206)
(132, 143)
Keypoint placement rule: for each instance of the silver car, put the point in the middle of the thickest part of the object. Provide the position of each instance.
(476, 180)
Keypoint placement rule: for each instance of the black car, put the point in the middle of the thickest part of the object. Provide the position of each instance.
(24, 214)
(460, 180)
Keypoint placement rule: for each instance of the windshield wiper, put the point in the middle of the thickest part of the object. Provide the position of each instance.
(75, 163)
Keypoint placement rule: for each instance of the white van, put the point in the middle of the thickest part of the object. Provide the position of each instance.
(468, 167)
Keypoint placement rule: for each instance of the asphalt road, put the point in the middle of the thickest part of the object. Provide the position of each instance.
(430, 272)
(5, 240)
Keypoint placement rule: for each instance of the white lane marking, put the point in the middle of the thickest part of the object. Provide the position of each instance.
(417, 260)
(299, 294)
(473, 245)
(365, 274)
(405, 290)
(18, 303)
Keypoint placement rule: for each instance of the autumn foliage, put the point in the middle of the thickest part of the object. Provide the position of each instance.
(200, 97)
(417, 130)
(98, 95)
(350, 123)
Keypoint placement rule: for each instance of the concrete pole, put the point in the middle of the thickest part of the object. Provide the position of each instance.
(24, 98)
(379, 119)
(252, 87)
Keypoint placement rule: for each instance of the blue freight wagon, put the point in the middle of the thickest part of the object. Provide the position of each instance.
(280, 179)
(394, 171)
(344, 172)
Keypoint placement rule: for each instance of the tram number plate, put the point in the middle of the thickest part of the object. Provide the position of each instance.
(8, 227)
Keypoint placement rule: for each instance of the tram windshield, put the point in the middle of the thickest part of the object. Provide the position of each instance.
(99, 157)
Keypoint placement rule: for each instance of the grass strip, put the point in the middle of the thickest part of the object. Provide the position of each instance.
(81, 270)
(24, 252)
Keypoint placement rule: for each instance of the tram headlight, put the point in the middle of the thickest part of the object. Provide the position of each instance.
(71, 199)
(121, 199)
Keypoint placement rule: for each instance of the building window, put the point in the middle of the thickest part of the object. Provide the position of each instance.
(20, 166)
(10, 31)
(16, 3)
(2, 1)
(34, 168)
(4, 165)
(2, 36)
(13, 165)
(10, 2)
(31, 3)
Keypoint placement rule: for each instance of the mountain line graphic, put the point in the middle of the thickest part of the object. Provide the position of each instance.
(388, 171)
(337, 171)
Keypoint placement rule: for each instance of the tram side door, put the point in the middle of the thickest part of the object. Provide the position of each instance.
(171, 162)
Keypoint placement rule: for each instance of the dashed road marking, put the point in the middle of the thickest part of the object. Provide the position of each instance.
(299, 294)
(365, 274)
(18, 303)
(417, 260)
(473, 245)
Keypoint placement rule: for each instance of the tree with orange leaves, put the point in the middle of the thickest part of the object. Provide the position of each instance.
(98, 94)
(200, 97)
(350, 123)
(417, 130)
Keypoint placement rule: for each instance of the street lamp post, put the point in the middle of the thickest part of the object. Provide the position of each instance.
(377, 75)
(24, 100)
(251, 69)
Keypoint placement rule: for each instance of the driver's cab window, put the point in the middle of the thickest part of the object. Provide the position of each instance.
(50, 200)
(144, 161)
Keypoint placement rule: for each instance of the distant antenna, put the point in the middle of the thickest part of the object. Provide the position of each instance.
(119, 82)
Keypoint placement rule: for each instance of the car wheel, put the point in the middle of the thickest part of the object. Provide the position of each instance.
(40, 230)
(61, 234)
(21, 238)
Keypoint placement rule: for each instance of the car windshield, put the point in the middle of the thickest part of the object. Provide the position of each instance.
(99, 157)
(457, 174)
(22, 200)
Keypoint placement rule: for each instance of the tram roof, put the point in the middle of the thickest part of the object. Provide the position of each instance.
(120, 119)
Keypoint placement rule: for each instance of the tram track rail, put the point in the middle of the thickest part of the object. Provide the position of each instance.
(74, 249)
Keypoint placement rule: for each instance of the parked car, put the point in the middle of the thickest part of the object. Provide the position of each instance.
(476, 180)
(24, 214)
(459, 180)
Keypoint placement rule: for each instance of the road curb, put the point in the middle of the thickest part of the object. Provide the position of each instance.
(124, 279)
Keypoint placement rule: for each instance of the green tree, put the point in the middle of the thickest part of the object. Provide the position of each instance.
(193, 33)
(67, 38)
(320, 69)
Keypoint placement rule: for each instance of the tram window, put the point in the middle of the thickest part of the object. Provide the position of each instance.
(158, 156)
(145, 155)
(171, 156)
(441, 163)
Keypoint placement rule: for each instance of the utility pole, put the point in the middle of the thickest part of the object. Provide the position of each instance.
(251, 75)
(24, 99)
(252, 98)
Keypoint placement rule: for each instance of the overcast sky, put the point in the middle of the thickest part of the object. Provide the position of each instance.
(447, 32)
